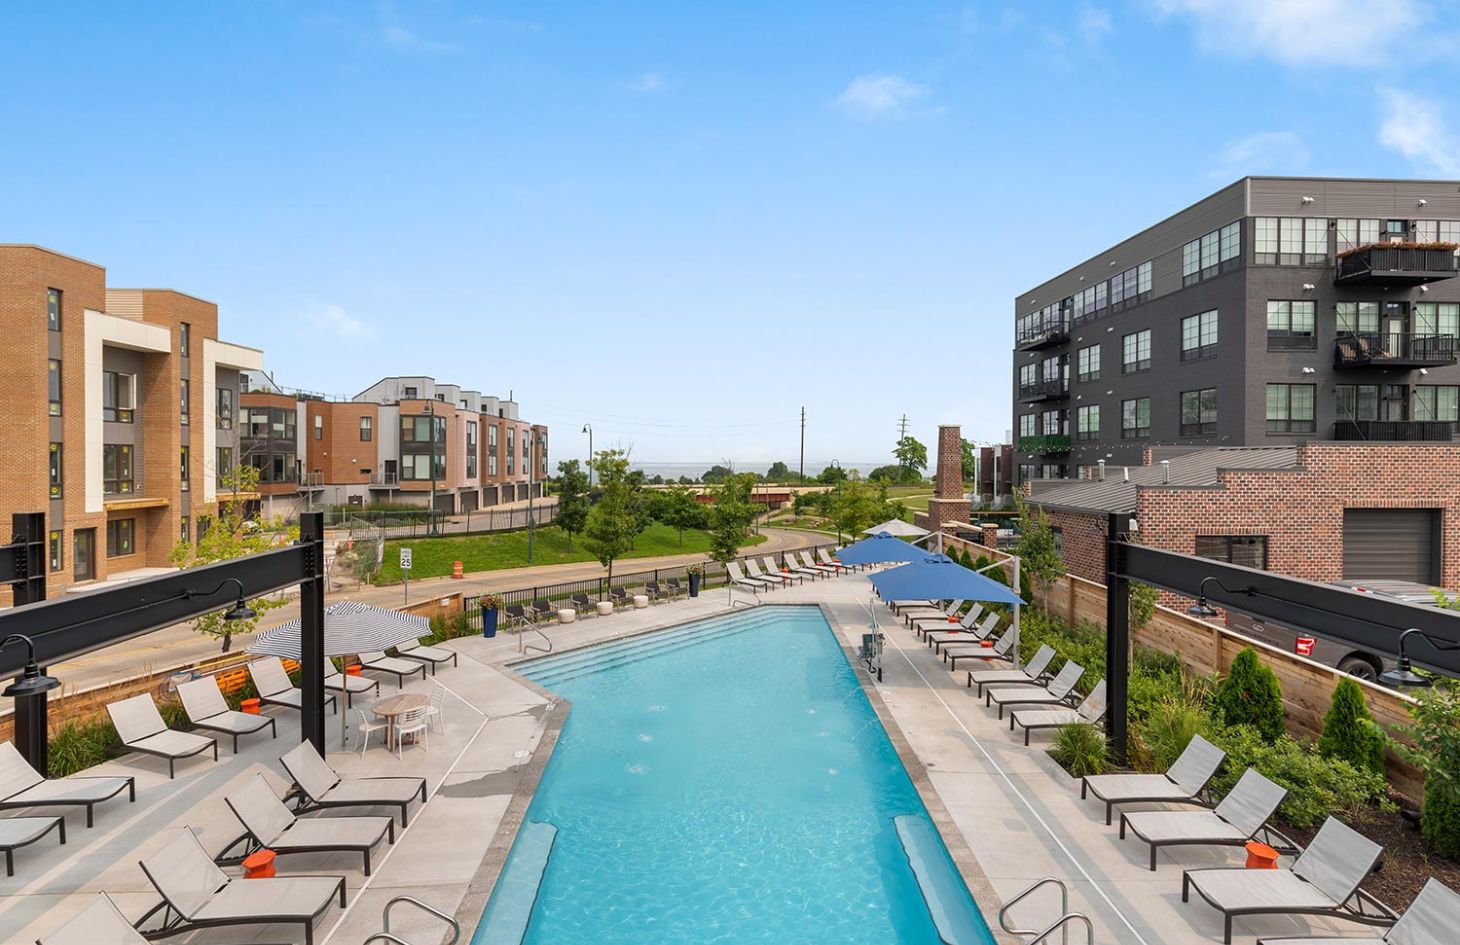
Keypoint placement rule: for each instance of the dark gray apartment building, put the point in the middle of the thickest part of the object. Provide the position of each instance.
(1274, 311)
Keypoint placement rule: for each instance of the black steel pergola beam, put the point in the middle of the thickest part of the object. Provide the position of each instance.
(1364, 621)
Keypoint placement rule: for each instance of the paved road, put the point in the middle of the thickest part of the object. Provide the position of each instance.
(178, 645)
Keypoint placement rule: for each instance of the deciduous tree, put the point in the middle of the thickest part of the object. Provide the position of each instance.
(572, 512)
(611, 524)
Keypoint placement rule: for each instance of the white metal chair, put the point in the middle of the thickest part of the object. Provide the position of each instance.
(436, 711)
(414, 722)
(364, 726)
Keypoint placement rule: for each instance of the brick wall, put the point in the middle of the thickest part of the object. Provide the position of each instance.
(1082, 542)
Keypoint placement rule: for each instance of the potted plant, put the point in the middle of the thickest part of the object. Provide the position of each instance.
(491, 604)
(696, 573)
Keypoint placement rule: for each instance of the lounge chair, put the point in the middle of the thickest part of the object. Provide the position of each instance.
(583, 604)
(806, 560)
(17, 832)
(140, 727)
(775, 576)
(394, 665)
(789, 562)
(912, 611)
(1323, 881)
(733, 571)
(430, 655)
(1431, 919)
(1091, 709)
(998, 650)
(1060, 691)
(275, 687)
(655, 592)
(22, 786)
(1030, 672)
(1184, 783)
(673, 587)
(100, 923)
(620, 597)
(320, 788)
(336, 681)
(929, 623)
(517, 612)
(207, 709)
(196, 894)
(828, 561)
(271, 825)
(1237, 819)
(541, 609)
(941, 638)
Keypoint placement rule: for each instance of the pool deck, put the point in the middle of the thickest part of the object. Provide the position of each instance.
(1009, 814)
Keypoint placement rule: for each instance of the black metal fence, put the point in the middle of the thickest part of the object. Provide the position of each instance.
(715, 576)
(409, 523)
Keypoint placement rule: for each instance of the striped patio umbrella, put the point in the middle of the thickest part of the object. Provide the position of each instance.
(349, 627)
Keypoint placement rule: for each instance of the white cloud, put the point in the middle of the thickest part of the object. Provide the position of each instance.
(1416, 128)
(334, 321)
(1266, 152)
(649, 82)
(1094, 24)
(1348, 33)
(879, 95)
(402, 38)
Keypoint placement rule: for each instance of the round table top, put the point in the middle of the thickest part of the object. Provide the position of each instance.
(399, 705)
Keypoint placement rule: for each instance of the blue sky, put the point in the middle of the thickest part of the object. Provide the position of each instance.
(679, 222)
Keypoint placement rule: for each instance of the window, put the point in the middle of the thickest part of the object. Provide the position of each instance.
(118, 396)
(83, 554)
(116, 468)
(1436, 318)
(441, 398)
(417, 466)
(1199, 412)
(1396, 228)
(471, 449)
(281, 422)
(224, 462)
(319, 426)
(55, 470)
(1215, 253)
(183, 468)
(1290, 408)
(55, 551)
(1355, 233)
(1358, 317)
(119, 537)
(255, 422)
(1026, 424)
(1135, 418)
(418, 429)
(1135, 352)
(184, 338)
(1028, 375)
(225, 408)
(54, 384)
(1290, 326)
(1291, 241)
(491, 462)
(1199, 336)
(1089, 301)
(1357, 401)
(1437, 231)
(185, 527)
(1051, 423)
(185, 399)
(408, 393)
(1087, 422)
(1249, 551)
(1131, 287)
(1436, 403)
(1087, 363)
(53, 309)
(492, 436)
(366, 429)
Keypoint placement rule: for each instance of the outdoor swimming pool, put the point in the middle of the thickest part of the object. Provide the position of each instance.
(725, 782)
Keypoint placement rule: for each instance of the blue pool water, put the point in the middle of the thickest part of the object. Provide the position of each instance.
(728, 783)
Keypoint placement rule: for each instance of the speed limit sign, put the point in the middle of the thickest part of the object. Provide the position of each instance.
(405, 559)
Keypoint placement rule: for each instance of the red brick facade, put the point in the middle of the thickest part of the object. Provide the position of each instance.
(948, 505)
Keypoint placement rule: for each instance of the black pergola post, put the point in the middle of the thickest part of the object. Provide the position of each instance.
(28, 586)
(1117, 637)
(311, 631)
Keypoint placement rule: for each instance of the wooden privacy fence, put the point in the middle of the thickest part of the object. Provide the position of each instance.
(1207, 649)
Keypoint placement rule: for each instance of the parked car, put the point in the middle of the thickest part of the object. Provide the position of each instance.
(1342, 656)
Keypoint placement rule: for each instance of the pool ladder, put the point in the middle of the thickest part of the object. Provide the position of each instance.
(1062, 924)
(523, 645)
(385, 935)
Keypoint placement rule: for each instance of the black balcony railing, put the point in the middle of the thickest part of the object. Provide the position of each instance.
(1392, 349)
(1042, 335)
(1430, 431)
(1055, 389)
(1397, 265)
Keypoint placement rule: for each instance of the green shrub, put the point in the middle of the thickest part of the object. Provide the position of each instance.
(1142, 604)
(1168, 728)
(1081, 749)
(981, 562)
(966, 559)
(1348, 730)
(1317, 786)
(1250, 695)
(1435, 730)
(77, 745)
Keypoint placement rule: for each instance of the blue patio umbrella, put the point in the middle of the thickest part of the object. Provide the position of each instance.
(881, 548)
(938, 577)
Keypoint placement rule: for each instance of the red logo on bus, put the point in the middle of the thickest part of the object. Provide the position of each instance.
(1304, 645)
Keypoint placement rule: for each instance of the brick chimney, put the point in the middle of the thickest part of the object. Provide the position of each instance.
(948, 503)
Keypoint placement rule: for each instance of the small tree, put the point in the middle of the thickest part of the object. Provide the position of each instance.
(912, 456)
(1038, 557)
(857, 506)
(716, 474)
(779, 472)
(1143, 599)
(680, 509)
(572, 512)
(730, 515)
(233, 534)
(831, 475)
(970, 460)
(1435, 730)
(1349, 731)
(611, 525)
(1250, 695)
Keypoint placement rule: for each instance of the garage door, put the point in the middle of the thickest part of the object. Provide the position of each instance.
(1390, 544)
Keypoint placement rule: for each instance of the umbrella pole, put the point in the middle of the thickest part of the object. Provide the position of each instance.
(1017, 607)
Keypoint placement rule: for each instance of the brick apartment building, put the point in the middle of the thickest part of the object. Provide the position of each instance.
(1323, 511)
(123, 448)
(378, 446)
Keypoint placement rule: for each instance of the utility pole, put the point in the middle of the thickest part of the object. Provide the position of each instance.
(588, 429)
(802, 468)
(902, 428)
(531, 472)
(431, 515)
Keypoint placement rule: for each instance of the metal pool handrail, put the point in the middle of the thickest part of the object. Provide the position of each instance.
(1062, 923)
(385, 934)
(523, 645)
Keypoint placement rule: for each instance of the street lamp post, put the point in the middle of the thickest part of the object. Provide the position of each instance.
(431, 515)
(837, 466)
(588, 429)
(531, 473)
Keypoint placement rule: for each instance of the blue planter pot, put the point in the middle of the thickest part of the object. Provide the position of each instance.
(489, 623)
(694, 585)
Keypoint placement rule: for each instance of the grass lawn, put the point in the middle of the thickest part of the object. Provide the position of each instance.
(433, 557)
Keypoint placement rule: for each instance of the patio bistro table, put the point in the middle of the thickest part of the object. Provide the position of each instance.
(393, 707)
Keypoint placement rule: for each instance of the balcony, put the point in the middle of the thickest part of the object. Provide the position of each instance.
(1395, 431)
(383, 480)
(1044, 335)
(1392, 350)
(1055, 389)
(310, 481)
(1397, 265)
(1051, 443)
